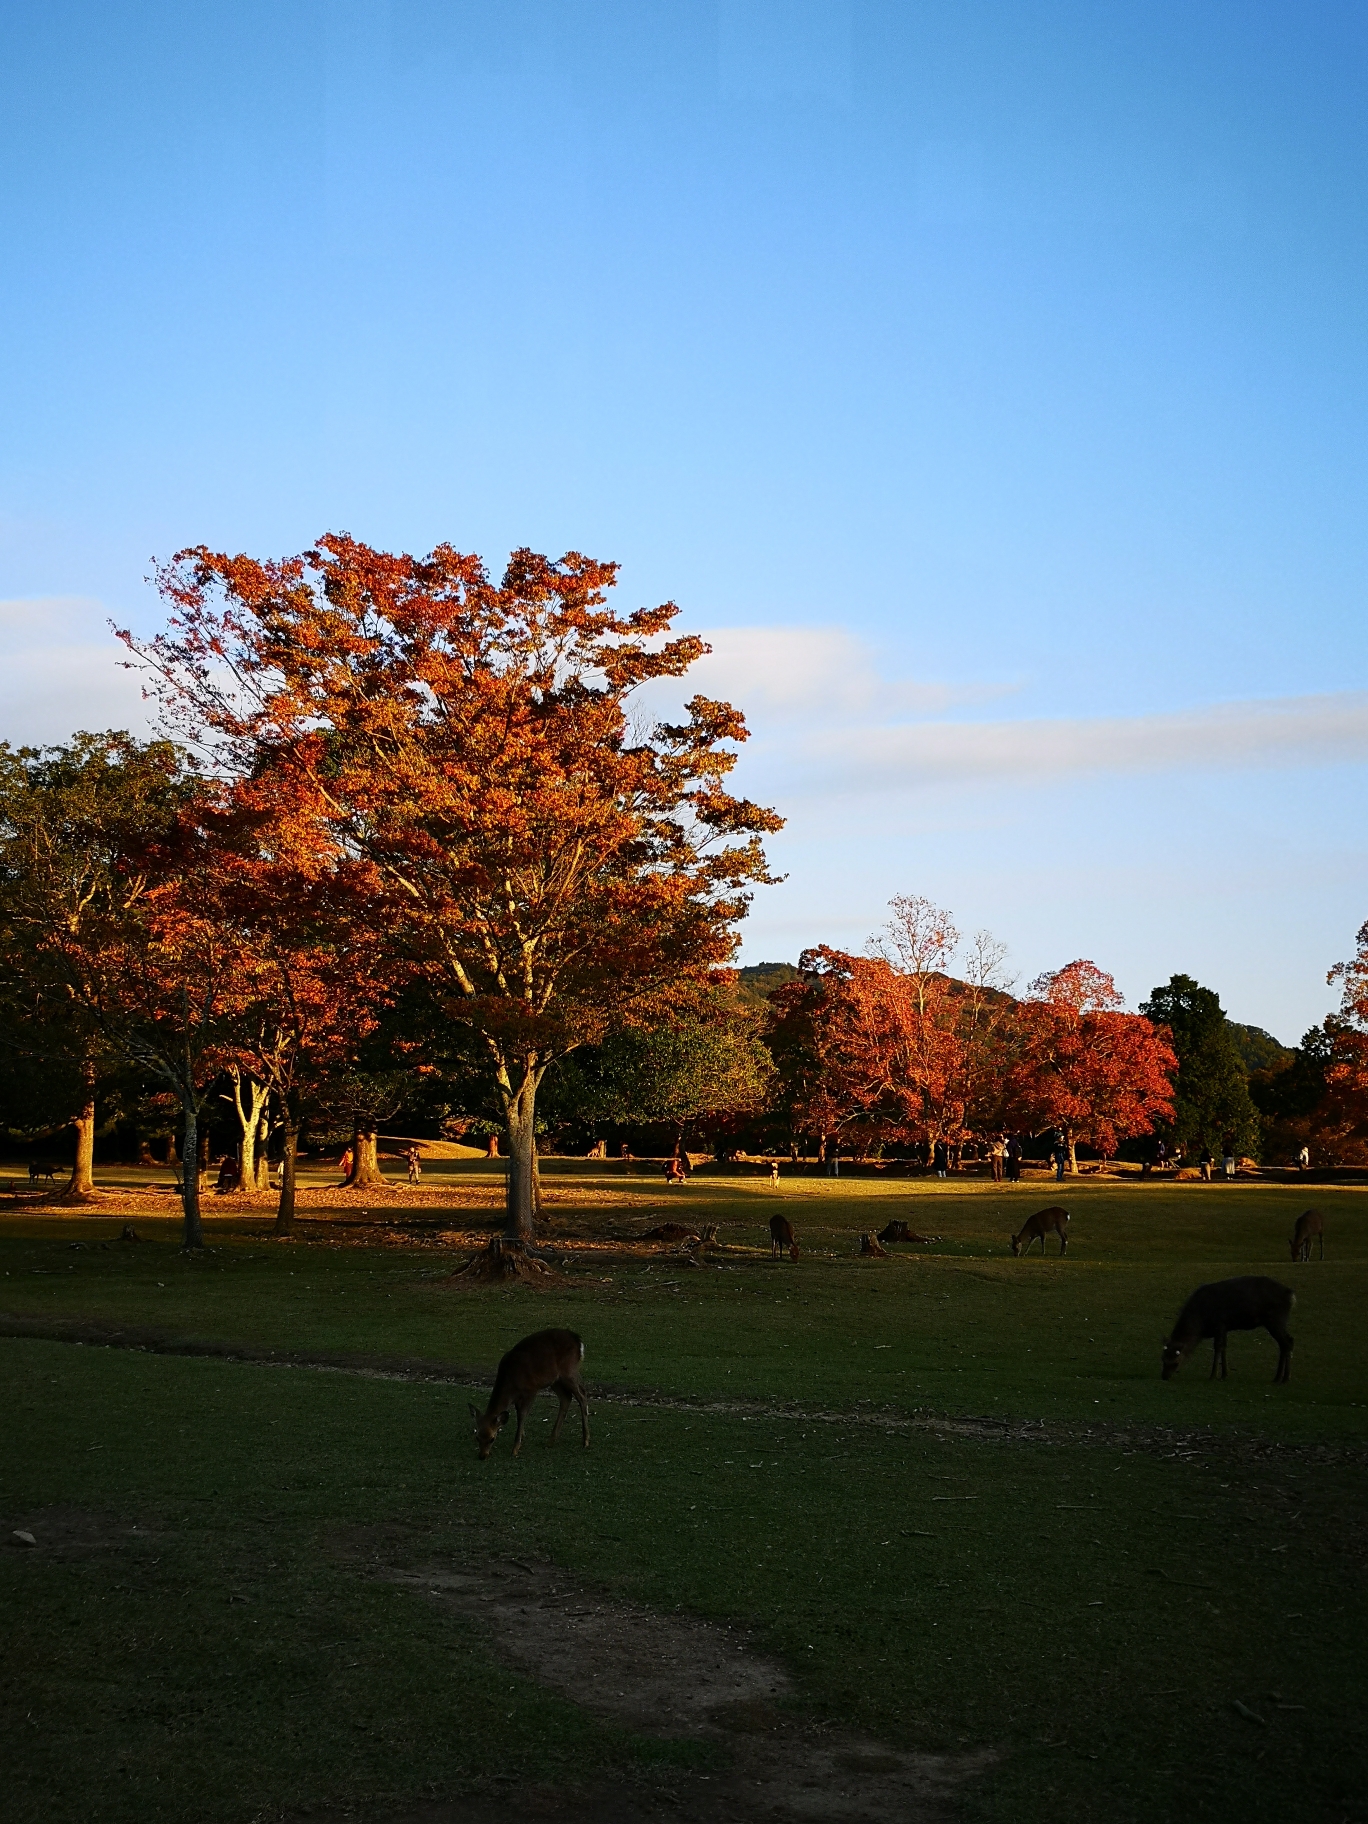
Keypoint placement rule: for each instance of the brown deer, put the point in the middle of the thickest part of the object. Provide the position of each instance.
(1307, 1226)
(781, 1237)
(1232, 1304)
(899, 1231)
(1053, 1221)
(551, 1359)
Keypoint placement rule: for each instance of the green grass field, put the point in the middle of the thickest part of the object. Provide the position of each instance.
(1117, 1594)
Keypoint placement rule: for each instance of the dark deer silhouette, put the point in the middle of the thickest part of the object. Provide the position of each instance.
(1308, 1226)
(781, 1238)
(551, 1359)
(1053, 1221)
(1232, 1304)
(899, 1231)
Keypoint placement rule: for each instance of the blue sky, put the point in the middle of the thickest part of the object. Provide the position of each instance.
(987, 380)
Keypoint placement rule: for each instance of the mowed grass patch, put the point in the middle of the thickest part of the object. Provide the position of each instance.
(1092, 1614)
(961, 1328)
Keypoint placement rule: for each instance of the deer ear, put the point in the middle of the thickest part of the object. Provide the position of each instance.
(474, 1410)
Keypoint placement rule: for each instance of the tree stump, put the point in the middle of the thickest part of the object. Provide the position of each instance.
(870, 1244)
(505, 1262)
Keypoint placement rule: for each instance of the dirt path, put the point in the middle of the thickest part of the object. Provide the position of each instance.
(683, 1679)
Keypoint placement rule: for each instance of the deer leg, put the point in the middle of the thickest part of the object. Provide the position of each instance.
(1283, 1371)
(584, 1414)
(564, 1397)
(1063, 1243)
(1215, 1357)
(522, 1421)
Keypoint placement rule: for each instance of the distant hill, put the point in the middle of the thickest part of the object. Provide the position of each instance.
(1258, 1049)
(758, 981)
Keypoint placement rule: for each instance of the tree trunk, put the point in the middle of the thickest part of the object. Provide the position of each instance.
(83, 1172)
(521, 1107)
(263, 1163)
(285, 1210)
(365, 1172)
(190, 1197)
(248, 1108)
(1073, 1154)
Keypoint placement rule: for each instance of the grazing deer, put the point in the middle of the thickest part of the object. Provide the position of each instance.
(1053, 1221)
(781, 1237)
(1308, 1225)
(1232, 1304)
(551, 1359)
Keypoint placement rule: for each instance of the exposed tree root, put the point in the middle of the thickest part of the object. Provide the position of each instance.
(506, 1262)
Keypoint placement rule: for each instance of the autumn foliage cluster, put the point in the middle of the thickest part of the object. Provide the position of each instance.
(410, 822)
(915, 1043)
(411, 778)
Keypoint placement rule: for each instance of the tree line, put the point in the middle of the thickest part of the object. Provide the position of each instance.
(410, 846)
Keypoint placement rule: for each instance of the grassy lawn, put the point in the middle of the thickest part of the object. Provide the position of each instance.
(202, 1633)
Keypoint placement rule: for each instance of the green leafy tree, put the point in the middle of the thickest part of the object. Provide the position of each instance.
(1211, 1099)
(706, 1061)
(1292, 1099)
(74, 822)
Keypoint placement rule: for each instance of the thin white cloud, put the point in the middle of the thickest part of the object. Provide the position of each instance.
(806, 676)
(830, 716)
(60, 671)
(1327, 730)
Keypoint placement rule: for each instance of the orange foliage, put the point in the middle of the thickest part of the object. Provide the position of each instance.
(891, 1047)
(456, 756)
(1086, 1066)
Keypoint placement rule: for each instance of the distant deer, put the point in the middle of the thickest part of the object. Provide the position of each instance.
(1232, 1304)
(551, 1359)
(781, 1237)
(1308, 1225)
(38, 1172)
(1053, 1221)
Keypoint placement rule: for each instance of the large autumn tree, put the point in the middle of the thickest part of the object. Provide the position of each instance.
(1087, 1066)
(464, 754)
